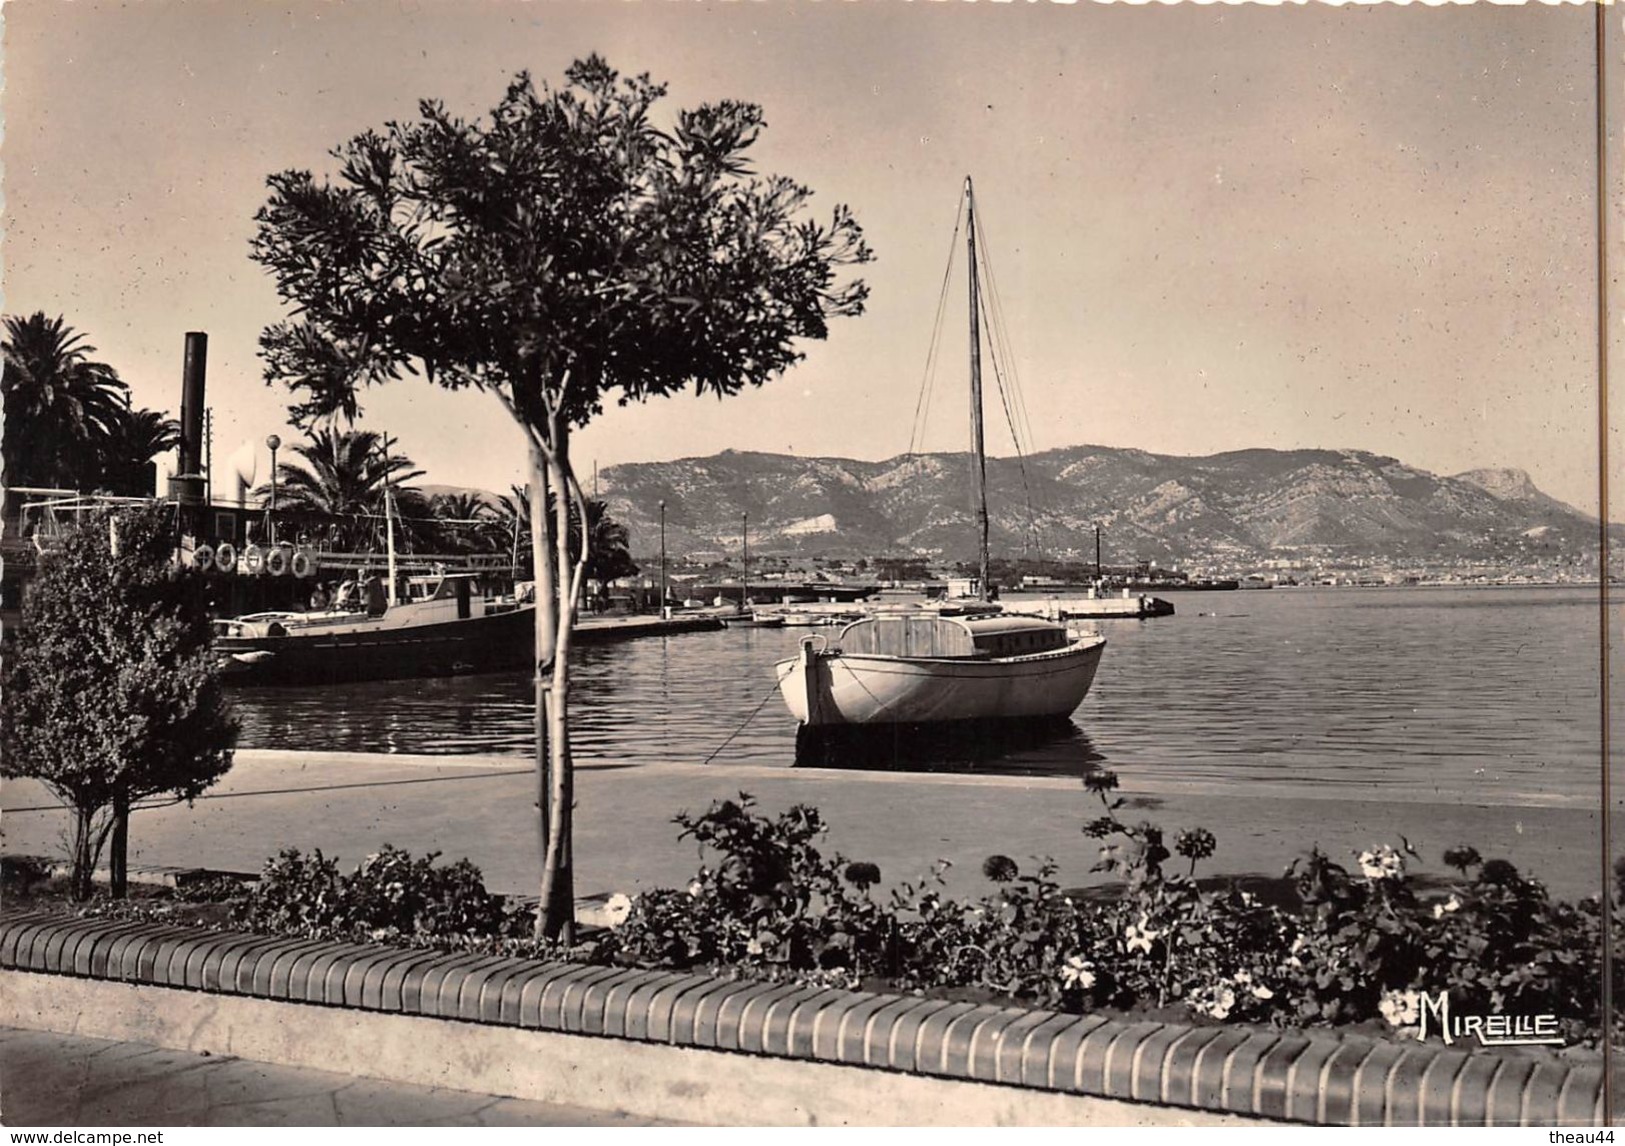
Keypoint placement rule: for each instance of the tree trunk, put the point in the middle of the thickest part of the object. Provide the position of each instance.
(119, 849)
(546, 646)
(558, 876)
(84, 855)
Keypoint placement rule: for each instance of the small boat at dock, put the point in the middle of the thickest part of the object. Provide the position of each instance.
(930, 668)
(753, 621)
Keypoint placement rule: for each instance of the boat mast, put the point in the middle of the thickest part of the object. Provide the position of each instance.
(389, 522)
(744, 562)
(979, 454)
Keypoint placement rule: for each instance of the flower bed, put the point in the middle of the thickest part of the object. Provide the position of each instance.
(1338, 946)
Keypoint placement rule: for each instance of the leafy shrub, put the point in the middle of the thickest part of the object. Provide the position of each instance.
(1023, 941)
(771, 903)
(389, 895)
(213, 889)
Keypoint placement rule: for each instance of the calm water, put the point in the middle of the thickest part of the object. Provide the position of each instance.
(1471, 695)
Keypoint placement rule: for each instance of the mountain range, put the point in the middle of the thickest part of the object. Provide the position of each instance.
(1235, 506)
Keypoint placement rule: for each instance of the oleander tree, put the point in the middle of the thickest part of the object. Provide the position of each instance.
(110, 694)
(563, 251)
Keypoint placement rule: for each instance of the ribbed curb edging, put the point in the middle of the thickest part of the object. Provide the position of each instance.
(1281, 1076)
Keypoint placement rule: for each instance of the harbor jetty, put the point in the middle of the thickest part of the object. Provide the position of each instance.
(1128, 606)
(623, 627)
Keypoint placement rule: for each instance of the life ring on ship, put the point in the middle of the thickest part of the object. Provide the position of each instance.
(225, 557)
(253, 559)
(276, 561)
(203, 558)
(302, 563)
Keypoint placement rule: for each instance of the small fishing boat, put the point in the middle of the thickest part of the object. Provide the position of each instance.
(966, 663)
(444, 626)
(754, 621)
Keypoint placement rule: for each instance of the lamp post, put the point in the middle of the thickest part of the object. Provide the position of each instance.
(275, 443)
(662, 557)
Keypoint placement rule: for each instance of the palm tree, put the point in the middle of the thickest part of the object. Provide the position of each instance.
(138, 437)
(512, 516)
(611, 557)
(340, 478)
(60, 406)
(465, 521)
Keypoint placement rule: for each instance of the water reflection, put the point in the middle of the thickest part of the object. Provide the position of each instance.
(1054, 747)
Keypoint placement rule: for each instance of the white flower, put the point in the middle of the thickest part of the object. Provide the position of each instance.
(616, 908)
(1449, 905)
(1078, 972)
(1139, 936)
(1401, 1008)
(1256, 990)
(1382, 862)
(1214, 1001)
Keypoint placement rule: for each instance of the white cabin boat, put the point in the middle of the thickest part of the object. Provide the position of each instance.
(928, 669)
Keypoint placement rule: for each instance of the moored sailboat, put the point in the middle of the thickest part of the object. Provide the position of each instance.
(934, 668)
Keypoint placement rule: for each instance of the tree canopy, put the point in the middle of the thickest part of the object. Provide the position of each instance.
(564, 248)
(110, 694)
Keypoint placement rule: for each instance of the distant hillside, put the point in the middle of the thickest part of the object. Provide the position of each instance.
(1238, 505)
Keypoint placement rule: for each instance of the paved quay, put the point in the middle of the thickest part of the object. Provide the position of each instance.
(481, 807)
(67, 1080)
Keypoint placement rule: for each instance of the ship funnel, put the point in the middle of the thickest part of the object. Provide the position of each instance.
(187, 485)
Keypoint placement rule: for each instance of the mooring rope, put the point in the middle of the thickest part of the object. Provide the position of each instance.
(771, 693)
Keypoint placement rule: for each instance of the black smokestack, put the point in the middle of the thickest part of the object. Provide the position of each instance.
(197, 365)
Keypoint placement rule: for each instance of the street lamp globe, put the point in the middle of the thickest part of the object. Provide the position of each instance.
(274, 443)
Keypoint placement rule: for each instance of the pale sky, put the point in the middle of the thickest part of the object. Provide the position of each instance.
(1212, 227)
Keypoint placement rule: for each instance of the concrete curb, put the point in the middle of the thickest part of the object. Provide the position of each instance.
(1251, 1074)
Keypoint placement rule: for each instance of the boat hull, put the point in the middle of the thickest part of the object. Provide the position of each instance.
(490, 643)
(833, 688)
